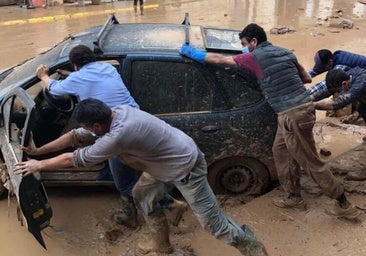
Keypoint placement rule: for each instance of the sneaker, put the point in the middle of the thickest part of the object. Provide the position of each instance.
(291, 203)
(351, 212)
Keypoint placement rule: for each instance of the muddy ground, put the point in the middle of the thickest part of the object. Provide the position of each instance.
(82, 216)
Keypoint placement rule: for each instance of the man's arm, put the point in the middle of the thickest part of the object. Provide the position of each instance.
(326, 104)
(216, 58)
(305, 77)
(312, 73)
(60, 143)
(55, 163)
(42, 73)
(203, 56)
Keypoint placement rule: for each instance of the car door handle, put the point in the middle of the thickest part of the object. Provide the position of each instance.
(210, 128)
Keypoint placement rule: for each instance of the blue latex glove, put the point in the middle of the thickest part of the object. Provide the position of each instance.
(192, 53)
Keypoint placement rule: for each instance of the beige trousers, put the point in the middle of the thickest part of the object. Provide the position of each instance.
(294, 148)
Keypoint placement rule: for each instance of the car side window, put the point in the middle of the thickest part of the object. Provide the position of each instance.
(169, 87)
(238, 87)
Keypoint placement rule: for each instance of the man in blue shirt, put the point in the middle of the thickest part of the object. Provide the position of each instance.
(325, 60)
(100, 80)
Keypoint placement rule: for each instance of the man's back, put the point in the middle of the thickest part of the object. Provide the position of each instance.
(146, 143)
(281, 83)
(349, 59)
(97, 80)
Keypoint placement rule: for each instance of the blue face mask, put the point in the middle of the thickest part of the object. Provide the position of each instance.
(245, 50)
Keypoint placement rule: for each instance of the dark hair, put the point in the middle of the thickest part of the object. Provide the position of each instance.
(335, 77)
(253, 31)
(90, 111)
(81, 55)
(325, 55)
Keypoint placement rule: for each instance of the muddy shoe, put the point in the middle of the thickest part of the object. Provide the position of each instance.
(130, 221)
(174, 212)
(290, 203)
(350, 212)
(251, 246)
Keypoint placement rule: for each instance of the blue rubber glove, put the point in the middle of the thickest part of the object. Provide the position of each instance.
(192, 53)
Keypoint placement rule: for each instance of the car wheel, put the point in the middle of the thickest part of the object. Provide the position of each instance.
(238, 175)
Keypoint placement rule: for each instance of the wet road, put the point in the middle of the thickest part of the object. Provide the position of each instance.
(26, 33)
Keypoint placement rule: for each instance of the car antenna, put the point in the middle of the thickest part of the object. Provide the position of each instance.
(186, 23)
(97, 43)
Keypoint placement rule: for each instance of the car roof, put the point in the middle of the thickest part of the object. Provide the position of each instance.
(115, 39)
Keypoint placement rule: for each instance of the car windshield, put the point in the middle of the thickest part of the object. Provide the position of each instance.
(26, 70)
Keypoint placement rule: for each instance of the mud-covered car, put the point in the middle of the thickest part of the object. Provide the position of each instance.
(221, 108)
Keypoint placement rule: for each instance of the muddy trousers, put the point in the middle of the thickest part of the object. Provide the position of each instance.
(294, 148)
(198, 194)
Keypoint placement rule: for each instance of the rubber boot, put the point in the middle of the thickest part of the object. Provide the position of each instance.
(127, 215)
(159, 232)
(250, 246)
(135, 9)
(174, 211)
(142, 9)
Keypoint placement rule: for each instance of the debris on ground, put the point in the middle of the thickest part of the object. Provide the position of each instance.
(282, 30)
(346, 23)
(325, 152)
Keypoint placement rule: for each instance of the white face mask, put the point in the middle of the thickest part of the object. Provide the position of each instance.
(245, 50)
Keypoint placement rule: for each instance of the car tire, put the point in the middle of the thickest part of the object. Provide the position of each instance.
(238, 175)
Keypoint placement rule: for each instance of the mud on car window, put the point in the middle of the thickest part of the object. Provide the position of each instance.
(169, 87)
(239, 87)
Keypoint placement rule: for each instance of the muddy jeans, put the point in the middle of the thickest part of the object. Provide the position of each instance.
(294, 148)
(124, 177)
(198, 194)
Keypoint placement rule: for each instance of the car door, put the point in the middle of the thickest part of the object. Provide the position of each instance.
(176, 92)
(17, 108)
(189, 96)
(17, 111)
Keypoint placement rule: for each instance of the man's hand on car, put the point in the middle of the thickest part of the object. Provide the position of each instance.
(28, 167)
(31, 149)
(193, 53)
(42, 71)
